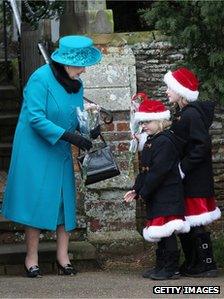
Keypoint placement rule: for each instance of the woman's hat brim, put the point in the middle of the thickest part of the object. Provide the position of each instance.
(92, 59)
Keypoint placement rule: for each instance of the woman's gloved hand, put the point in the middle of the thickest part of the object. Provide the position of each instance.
(95, 132)
(78, 140)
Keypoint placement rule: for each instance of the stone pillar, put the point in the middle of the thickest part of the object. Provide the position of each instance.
(86, 17)
(111, 223)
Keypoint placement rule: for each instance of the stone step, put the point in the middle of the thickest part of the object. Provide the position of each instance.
(6, 73)
(5, 146)
(12, 232)
(5, 155)
(82, 254)
(8, 117)
(78, 249)
(9, 226)
(7, 134)
(8, 91)
(9, 102)
(2, 62)
(3, 178)
(8, 123)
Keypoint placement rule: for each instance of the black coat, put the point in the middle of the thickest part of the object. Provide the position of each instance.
(193, 126)
(159, 182)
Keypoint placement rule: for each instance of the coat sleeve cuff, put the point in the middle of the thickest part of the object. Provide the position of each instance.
(143, 193)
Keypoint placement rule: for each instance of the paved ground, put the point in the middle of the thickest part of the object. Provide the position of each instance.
(99, 284)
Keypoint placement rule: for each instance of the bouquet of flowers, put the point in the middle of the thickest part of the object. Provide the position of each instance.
(89, 119)
(135, 128)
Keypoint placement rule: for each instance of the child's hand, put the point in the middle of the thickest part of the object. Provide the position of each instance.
(130, 196)
(136, 136)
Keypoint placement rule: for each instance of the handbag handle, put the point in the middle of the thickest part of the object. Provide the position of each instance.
(108, 119)
(103, 140)
(101, 137)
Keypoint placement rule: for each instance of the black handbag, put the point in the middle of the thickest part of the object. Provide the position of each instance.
(100, 165)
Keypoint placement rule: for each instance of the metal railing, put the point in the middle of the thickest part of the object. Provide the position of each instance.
(16, 14)
(5, 67)
(9, 6)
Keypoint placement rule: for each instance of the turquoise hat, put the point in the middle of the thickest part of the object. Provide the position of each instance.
(76, 50)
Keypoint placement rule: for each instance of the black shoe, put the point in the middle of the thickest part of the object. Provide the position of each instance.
(183, 269)
(66, 270)
(164, 274)
(170, 269)
(33, 272)
(159, 262)
(149, 272)
(201, 271)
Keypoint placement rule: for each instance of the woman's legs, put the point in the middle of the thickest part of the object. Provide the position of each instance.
(32, 241)
(62, 245)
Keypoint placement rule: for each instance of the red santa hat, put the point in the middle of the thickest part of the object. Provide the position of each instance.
(184, 82)
(140, 95)
(152, 110)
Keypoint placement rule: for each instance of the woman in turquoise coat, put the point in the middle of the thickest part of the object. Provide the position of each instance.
(40, 190)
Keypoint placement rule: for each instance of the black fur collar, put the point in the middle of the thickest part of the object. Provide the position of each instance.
(71, 86)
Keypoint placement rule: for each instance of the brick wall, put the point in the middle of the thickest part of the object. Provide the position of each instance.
(118, 133)
(103, 206)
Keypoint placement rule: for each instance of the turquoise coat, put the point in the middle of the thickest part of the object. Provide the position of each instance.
(41, 174)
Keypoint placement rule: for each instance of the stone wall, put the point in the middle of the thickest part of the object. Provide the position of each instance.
(153, 59)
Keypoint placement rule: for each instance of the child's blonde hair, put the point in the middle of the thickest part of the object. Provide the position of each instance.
(182, 101)
(163, 124)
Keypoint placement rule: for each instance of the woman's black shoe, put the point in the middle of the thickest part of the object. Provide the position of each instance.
(66, 270)
(33, 271)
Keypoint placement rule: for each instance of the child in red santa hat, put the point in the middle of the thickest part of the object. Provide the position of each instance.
(192, 124)
(159, 184)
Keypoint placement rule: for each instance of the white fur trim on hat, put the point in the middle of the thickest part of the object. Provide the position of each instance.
(147, 116)
(205, 218)
(173, 84)
(166, 230)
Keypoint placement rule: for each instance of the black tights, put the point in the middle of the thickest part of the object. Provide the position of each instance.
(198, 230)
(186, 238)
(168, 243)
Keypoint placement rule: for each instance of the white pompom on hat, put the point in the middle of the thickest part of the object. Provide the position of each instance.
(152, 110)
(184, 82)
